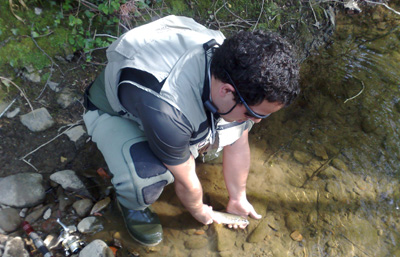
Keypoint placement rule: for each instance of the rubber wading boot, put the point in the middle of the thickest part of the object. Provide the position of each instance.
(144, 226)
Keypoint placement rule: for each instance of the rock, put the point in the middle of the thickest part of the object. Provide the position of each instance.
(66, 97)
(37, 120)
(22, 190)
(100, 205)
(319, 151)
(64, 200)
(90, 225)
(31, 74)
(76, 133)
(38, 11)
(15, 248)
(293, 222)
(82, 207)
(47, 214)
(225, 237)
(22, 213)
(260, 232)
(368, 125)
(54, 86)
(36, 214)
(9, 219)
(69, 181)
(196, 242)
(339, 164)
(302, 157)
(13, 113)
(96, 248)
(312, 217)
(296, 236)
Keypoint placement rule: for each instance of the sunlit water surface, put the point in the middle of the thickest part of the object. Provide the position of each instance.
(327, 168)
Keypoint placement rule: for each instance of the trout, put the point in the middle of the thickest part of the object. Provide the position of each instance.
(230, 219)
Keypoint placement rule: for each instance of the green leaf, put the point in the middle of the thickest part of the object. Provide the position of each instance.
(34, 34)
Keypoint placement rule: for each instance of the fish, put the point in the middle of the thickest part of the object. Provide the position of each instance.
(230, 219)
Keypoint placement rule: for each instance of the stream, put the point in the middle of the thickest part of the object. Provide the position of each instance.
(325, 171)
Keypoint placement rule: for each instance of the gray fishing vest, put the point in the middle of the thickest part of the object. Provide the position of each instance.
(176, 43)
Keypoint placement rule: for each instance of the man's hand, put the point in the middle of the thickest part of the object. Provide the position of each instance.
(242, 207)
(204, 215)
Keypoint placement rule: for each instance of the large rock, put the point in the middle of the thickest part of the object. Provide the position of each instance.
(9, 219)
(96, 248)
(22, 190)
(15, 248)
(37, 120)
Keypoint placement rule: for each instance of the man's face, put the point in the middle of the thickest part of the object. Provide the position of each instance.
(240, 112)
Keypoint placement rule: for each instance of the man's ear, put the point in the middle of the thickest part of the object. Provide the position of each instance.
(226, 89)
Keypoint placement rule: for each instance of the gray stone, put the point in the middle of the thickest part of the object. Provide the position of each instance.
(54, 86)
(9, 220)
(15, 248)
(69, 181)
(96, 248)
(76, 133)
(83, 207)
(33, 77)
(37, 120)
(90, 225)
(66, 97)
(13, 113)
(36, 214)
(22, 190)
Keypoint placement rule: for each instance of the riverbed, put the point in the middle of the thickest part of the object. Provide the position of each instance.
(325, 171)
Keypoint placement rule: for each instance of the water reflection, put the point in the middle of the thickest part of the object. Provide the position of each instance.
(326, 168)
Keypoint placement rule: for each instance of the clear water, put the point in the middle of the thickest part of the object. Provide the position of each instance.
(327, 167)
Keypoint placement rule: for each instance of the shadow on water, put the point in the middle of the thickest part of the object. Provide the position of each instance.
(326, 168)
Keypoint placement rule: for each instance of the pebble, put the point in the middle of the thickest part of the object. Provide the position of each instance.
(47, 214)
(76, 133)
(302, 157)
(9, 220)
(66, 97)
(296, 236)
(22, 190)
(15, 248)
(339, 164)
(13, 113)
(54, 86)
(82, 207)
(96, 248)
(36, 214)
(69, 181)
(100, 205)
(89, 225)
(37, 120)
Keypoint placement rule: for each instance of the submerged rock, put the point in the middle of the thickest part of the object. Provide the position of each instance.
(22, 190)
(225, 237)
(302, 157)
(96, 248)
(83, 207)
(90, 225)
(259, 233)
(37, 120)
(196, 242)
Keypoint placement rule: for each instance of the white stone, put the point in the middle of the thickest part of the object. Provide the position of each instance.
(75, 133)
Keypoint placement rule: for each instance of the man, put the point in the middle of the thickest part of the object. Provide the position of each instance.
(174, 90)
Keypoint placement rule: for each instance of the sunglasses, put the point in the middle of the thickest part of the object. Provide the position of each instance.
(249, 112)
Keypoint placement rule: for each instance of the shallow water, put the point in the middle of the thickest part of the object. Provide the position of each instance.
(327, 167)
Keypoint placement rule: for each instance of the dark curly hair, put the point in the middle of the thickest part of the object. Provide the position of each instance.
(262, 66)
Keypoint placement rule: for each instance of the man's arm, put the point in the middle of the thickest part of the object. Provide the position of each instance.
(236, 164)
(188, 189)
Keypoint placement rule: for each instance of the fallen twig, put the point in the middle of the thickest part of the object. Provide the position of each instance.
(318, 171)
(385, 5)
(259, 16)
(70, 126)
(359, 93)
(8, 107)
(2, 79)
